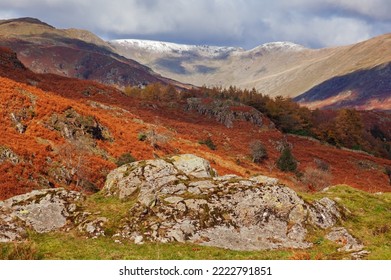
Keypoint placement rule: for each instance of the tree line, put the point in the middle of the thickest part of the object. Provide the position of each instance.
(340, 127)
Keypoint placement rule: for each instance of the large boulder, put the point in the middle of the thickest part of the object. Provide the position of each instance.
(148, 177)
(41, 210)
(180, 199)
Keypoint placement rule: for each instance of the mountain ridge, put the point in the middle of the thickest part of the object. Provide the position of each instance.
(285, 69)
(73, 53)
(275, 69)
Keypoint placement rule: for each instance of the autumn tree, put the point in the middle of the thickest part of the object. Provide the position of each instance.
(75, 166)
(152, 92)
(258, 151)
(349, 128)
(169, 93)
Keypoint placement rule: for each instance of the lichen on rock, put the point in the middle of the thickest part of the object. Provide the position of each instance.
(179, 199)
(41, 210)
(227, 211)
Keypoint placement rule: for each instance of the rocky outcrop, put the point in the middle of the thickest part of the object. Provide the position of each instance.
(148, 177)
(225, 111)
(180, 199)
(42, 211)
(6, 154)
(74, 126)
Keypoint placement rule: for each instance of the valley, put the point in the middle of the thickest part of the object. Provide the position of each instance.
(280, 68)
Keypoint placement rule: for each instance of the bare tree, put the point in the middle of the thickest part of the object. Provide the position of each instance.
(258, 151)
(74, 160)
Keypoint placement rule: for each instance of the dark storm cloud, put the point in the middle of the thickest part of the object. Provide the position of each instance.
(244, 23)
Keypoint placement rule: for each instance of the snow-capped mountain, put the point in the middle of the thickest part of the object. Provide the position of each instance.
(167, 48)
(212, 65)
(278, 46)
(277, 68)
(172, 48)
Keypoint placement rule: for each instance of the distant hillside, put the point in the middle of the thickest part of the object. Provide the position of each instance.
(365, 89)
(63, 132)
(72, 53)
(349, 76)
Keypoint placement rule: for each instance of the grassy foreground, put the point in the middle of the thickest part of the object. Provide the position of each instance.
(368, 218)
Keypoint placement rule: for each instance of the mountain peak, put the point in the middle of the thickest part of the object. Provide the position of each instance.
(28, 20)
(280, 46)
(168, 47)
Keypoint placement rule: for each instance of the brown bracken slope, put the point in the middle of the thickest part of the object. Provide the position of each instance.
(61, 132)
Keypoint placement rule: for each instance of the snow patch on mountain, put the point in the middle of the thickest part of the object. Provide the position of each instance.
(173, 48)
(278, 46)
(161, 47)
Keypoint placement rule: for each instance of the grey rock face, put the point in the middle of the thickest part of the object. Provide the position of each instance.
(10, 228)
(223, 113)
(43, 211)
(264, 180)
(324, 213)
(342, 237)
(149, 176)
(180, 200)
(193, 166)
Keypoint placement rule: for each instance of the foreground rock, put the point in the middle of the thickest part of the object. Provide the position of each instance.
(180, 199)
(42, 211)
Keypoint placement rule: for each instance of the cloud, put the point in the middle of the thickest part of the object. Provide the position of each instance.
(374, 9)
(320, 31)
(244, 23)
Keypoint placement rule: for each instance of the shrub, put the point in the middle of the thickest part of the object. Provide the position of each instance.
(155, 138)
(286, 162)
(316, 179)
(209, 143)
(142, 136)
(124, 159)
(258, 151)
(321, 164)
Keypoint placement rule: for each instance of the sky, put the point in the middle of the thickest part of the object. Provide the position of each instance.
(239, 23)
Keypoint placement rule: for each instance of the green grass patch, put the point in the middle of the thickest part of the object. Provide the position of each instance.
(65, 246)
(368, 217)
(26, 250)
(110, 207)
